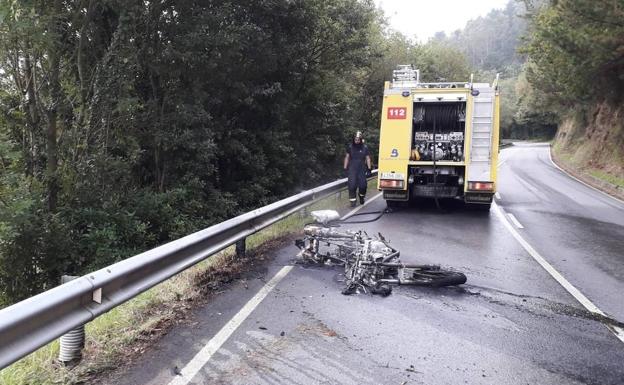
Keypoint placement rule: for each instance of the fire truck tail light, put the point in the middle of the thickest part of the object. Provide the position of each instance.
(390, 183)
(481, 186)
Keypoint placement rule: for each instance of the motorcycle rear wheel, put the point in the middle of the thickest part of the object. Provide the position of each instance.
(437, 278)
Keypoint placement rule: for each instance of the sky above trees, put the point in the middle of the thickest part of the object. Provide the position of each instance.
(422, 19)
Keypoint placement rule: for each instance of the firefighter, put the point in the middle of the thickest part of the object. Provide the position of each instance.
(357, 165)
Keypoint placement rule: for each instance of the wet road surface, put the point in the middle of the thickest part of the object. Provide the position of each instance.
(512, 323)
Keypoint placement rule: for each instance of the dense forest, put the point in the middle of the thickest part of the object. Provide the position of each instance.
(127, 124)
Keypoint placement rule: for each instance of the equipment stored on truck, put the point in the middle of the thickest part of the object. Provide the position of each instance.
(438, 140)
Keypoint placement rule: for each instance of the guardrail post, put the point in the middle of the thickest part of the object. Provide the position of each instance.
(240, 247)
(73, 341)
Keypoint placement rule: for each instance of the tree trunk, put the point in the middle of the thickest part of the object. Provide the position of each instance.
(27, 87)
(81, 65)
(55, 100)
(52, 159)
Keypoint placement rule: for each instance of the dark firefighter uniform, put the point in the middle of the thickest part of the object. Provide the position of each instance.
(357, 163)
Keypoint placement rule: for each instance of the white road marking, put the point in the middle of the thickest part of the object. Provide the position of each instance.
(355, 210)
(497, 195)
(619, 332)
(580, 181)
(500, 163)
(205, 354)
(515, 221)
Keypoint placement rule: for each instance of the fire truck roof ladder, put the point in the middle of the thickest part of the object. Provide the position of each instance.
(406, 76)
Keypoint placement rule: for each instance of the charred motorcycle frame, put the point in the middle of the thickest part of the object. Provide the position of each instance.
(370, 263)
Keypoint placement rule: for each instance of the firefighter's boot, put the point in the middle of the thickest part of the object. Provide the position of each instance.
(352, 194)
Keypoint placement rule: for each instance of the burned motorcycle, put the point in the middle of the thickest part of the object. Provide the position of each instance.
(370, 263)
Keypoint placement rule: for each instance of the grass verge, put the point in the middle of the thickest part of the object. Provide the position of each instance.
(599, 178)
(124, 333)
(613, 179)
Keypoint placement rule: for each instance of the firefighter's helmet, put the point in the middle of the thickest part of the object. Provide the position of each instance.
(358, 135)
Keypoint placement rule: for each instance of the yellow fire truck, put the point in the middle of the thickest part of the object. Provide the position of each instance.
(438, 140)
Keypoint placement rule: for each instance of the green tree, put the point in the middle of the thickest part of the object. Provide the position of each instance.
(575, 47)
(124, 125)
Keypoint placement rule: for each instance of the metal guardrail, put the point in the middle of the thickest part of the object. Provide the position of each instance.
(32, 323)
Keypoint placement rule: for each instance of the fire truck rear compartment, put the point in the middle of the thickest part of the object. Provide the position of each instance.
(438, 132)
(447, 120)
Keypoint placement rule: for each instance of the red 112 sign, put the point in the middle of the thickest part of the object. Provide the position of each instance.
(397, 112)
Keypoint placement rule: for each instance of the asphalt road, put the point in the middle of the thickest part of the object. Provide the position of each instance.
(512, 323)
